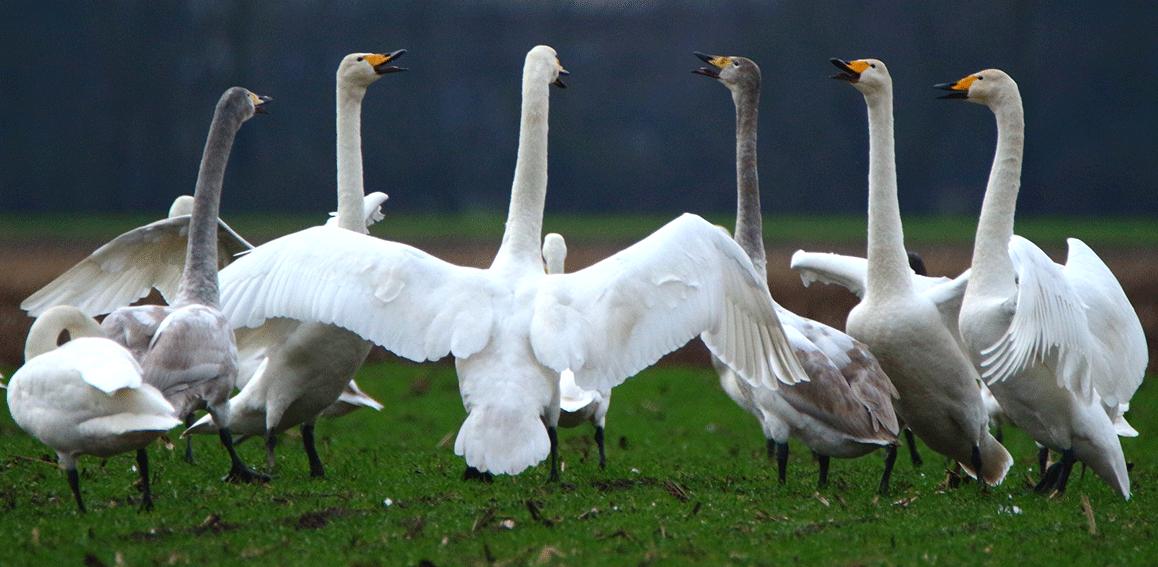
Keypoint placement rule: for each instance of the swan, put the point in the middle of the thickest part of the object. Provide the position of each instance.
(845, 410)
(306, 366)
(905, 329)
(576, 405)
(511, 327)
(86, 397)
(1058, 345)
(187, 349)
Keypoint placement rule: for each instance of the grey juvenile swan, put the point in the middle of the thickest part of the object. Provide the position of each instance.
(845, 410)
(187, 349)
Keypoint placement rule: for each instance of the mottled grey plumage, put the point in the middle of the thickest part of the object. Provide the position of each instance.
(845, 410)
(190, 353)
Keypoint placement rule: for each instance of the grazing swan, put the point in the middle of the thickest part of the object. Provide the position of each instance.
(576, 405)
(513, 328)
(86, 397)
(306, 366)
(845, 410)
(187, 349)
(1057, 345)
(905, 329)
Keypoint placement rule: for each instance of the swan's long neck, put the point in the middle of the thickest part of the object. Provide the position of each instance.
(529, 190)
(749, 223)
(47, 327)
(199, 279)
(888, 266)
(992, 267)
(349, 131)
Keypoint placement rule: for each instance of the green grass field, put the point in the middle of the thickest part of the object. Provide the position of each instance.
(687, 482)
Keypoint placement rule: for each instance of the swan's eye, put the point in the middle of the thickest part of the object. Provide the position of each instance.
(873, 65)
(360, 58)
(980, 78)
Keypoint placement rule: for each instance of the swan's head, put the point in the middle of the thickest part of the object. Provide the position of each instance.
(543, 64)
(867, 75)
(986, 87)
(242, 103)
(736, 73)
(554, 252)
(182, 205)
(361, 69)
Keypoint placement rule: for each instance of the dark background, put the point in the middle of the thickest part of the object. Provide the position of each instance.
(105, 105)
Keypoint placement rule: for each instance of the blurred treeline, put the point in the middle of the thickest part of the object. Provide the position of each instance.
(105, 104)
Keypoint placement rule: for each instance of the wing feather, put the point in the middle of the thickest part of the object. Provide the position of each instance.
(397, 296)
(126, 268)
(1049, 325)
(611, 320)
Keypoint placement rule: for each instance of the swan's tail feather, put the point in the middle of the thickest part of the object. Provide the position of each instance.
(502, 440)
(995, 460)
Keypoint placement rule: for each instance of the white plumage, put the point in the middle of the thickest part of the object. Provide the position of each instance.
(85, 397)
(1059, 346)
(512, 328)
(576, 405)
(906, 329)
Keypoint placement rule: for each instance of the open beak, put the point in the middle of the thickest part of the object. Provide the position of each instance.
(559, 81)
(850, 72)
(259, 106)
(957, 90)
(381, 63)
(716, 62)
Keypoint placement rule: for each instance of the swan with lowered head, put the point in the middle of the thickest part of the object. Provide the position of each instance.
(86, 397)
(512, 328)
(1058, 346)
(845, 409)
(295, 370)
(576, 405)
(187, 349)
(905, 329)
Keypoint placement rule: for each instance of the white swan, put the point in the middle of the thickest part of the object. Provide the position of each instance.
(187, 349)
(1057, 345)
(306, 366)
(905, 329)
(513, 328)
(846, 409)
(576, 405)
(85, 397)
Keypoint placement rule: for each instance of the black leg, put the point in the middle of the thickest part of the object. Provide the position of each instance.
(74, 484)
(270, 445)
(890, 460)
(914, 456)
(553, 435)
(143, 468)
(238, 472)
(316, 468)
(599, 442)
(781, 461)
(823, 480)
(999, 434)
(189, 419)
(472, 473)
(1057, 475)
(1042, 460)
(976, 458)
(1067, 463)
